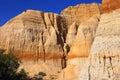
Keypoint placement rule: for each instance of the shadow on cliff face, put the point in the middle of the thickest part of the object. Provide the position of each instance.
(64, 56)
(39, 76)
(42, 76)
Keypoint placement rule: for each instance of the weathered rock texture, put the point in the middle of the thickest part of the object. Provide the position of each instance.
(81, 33)
(49, 71)
(80, 37)
(109, 5)
(69, 39)
(72, 32)
(40, 37)
(104, 60)
(34, 35)
(80, 48)
(85, 35)
(82, 12)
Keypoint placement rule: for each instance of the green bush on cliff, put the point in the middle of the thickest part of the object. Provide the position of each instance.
(9, 65)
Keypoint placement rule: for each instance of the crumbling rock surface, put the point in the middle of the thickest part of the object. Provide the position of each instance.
(72, 32)
(80, 38)
(34, 35)
(84, 38)
(80, 48)
(104, 60)
(82, 12)
(109, 5)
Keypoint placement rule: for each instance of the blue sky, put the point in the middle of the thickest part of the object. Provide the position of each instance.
(11, 8)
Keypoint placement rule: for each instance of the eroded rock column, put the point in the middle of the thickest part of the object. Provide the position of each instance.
(104, 60)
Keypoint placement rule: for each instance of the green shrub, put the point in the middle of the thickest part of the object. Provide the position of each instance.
(9, 65)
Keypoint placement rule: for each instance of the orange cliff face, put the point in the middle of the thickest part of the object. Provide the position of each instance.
(109, 5)
(82, 12)
(35, 36)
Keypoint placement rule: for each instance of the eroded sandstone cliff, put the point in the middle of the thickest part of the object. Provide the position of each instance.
(109, 5)
(82, 12)
(104, 60)
(80, 39)
(80, 48)
(34, 36)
